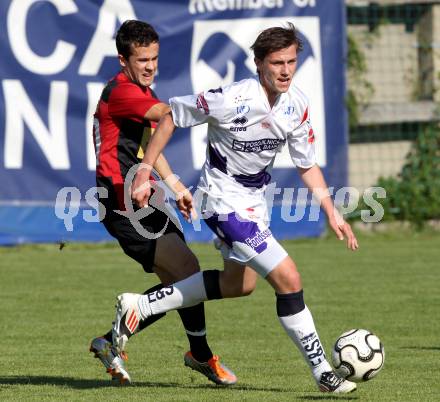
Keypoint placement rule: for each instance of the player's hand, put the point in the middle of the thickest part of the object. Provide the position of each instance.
(185, 205)
(343, 231)
(141, 188)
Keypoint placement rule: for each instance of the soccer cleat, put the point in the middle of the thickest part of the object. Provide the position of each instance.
(331, 382)
(113, 362)
(127, 320)
(212, 369)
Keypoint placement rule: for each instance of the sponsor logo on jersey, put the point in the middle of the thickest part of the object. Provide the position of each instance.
(242, 120)
(258, 239)
(239, 121)
(235, 129)
(288, 110)
(243, 109)
(202, 104)
(265, 144)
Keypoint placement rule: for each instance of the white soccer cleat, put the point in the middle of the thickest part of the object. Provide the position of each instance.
(127, 319)
(331, 382)
(113, 362)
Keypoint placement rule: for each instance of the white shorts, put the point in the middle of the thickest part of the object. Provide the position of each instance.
(245, 237)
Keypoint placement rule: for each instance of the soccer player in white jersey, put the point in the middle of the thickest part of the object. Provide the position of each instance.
(248, 123)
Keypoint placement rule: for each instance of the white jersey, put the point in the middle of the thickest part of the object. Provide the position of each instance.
(245, 134)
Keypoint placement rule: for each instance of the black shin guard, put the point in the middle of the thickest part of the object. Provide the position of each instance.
(290, 303)
(211, 280)
(193, 319)
(143, 323)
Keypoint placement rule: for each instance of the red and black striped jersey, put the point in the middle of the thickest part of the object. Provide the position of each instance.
(120, 131)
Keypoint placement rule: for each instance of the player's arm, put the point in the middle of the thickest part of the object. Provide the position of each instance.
(128, 101)
(315, 182)
(183, 195)
(156, 112)
(140, 190)
(161, 165)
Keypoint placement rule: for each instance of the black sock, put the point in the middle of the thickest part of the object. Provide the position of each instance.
(211, 280)
(143, 323)
(193, 319)
(290, 303)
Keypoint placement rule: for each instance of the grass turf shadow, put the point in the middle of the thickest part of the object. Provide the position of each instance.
(328, 397)
(80, 383)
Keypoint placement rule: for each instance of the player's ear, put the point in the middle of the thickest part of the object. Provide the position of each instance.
(122, 60)
(257, 63)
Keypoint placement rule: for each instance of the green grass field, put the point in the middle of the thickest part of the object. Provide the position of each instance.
(54, 302)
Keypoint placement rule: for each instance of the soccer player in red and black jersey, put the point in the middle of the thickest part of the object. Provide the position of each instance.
(125, 118)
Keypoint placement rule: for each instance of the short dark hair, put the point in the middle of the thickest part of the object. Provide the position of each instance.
(274, 39)
(133, 33)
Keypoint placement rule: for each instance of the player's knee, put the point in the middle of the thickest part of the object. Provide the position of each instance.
(295, 278)
(247, 288)
(240, 289)
(285, 279)
(191, 264)
(292, 281)
(232, 286)
(246, 292)
(237, 291)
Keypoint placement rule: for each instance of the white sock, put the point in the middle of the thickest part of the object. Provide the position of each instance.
(301, 329)
(185, 293)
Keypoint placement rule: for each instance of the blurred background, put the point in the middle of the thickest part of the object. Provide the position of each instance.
(393, 98)
(370, 69)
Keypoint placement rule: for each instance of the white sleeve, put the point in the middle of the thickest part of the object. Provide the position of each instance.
(301, 142)
(192, 110)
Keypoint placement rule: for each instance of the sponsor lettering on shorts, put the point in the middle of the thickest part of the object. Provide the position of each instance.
(258, 239)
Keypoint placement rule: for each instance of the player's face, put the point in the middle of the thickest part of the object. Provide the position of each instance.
(141, 66)
(276, 71)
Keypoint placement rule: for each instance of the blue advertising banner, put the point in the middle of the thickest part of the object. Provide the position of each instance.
(57, 55)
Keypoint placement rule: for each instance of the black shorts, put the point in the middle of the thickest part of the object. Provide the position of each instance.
(134, 244)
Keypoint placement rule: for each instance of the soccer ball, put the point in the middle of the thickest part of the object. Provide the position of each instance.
(358, 355)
